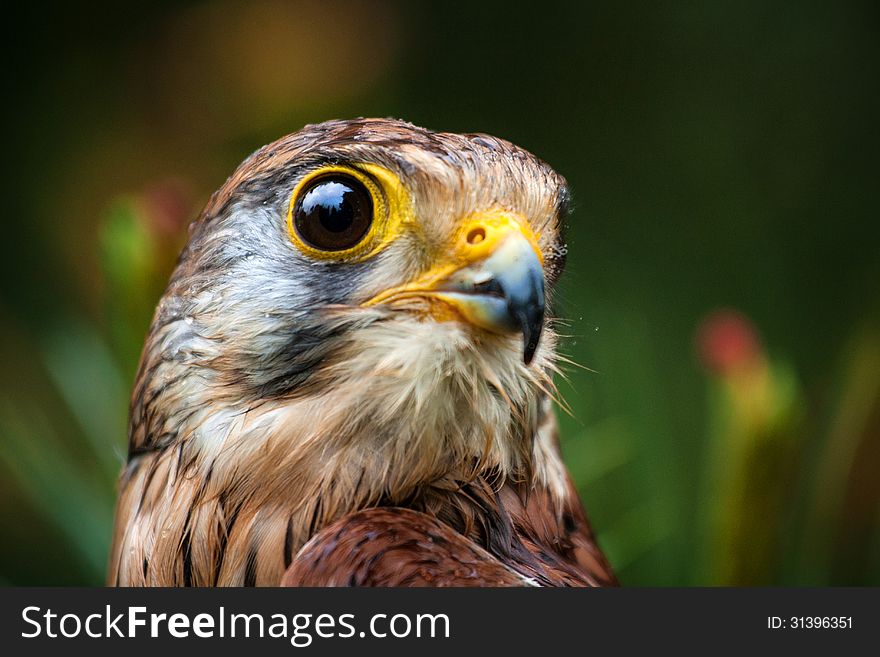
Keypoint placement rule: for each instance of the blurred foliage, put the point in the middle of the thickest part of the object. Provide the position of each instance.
(721, 155)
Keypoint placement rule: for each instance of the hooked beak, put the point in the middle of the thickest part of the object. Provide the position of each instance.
(494, 279)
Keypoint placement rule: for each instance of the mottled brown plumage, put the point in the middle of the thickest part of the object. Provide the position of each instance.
(532, 543)
(395, 546)
(374, 417)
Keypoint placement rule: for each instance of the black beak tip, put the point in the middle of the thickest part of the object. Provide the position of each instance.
(529, 348)
(531, 325)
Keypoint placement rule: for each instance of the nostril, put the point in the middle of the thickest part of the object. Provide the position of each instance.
(476, 235)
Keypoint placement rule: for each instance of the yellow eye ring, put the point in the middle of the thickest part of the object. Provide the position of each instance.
(392, 210)
(334, 178)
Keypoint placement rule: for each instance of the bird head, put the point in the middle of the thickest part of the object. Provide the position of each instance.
(360, 310)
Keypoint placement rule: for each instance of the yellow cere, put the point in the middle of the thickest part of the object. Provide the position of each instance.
(482, 233)
(478, 238)
(392, 210)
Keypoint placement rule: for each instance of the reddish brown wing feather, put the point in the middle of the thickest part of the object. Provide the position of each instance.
(532, 543)
(563, 547)
(395, 547)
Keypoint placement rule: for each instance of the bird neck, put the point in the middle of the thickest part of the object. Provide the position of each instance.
(225, 489)
(234, 501)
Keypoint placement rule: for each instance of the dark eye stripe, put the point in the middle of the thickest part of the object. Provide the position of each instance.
(333, 212)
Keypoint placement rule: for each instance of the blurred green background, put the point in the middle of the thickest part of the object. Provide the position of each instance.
(724, 261)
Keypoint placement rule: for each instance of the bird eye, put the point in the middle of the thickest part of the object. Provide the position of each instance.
(333, 212)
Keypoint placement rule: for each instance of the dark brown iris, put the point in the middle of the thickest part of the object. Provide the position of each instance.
(333, 212)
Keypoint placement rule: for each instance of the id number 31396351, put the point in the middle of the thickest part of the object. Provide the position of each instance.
(810, 623)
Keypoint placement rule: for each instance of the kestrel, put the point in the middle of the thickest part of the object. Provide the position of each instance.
(348, 380)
